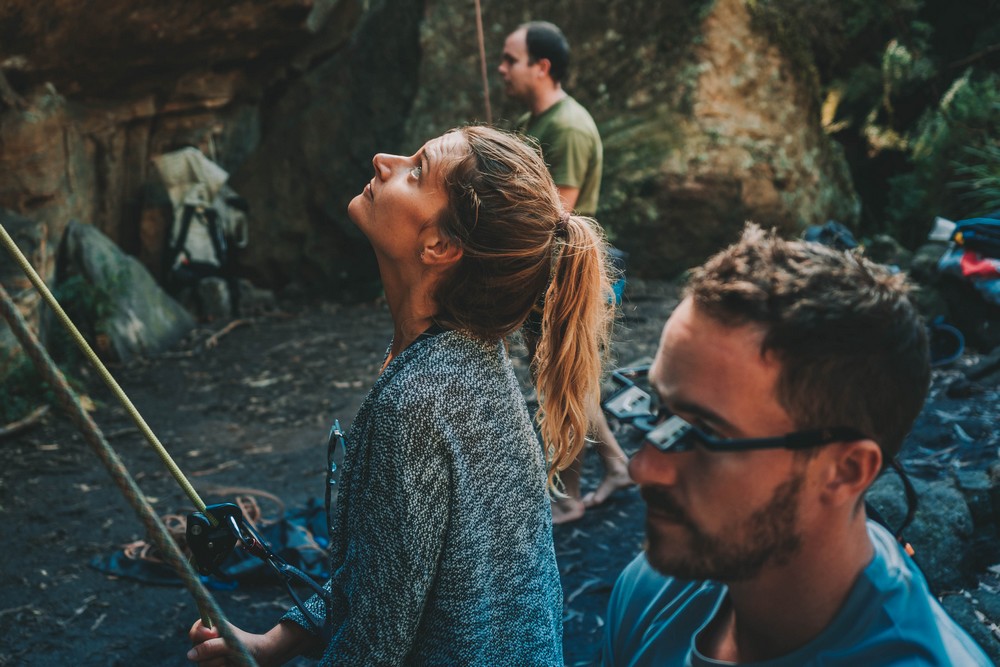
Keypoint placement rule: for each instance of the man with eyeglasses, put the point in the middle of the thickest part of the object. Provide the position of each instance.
(787, 379)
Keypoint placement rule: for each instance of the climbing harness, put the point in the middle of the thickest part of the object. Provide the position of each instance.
(213, 531)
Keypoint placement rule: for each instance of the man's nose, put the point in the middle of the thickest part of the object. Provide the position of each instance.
(652, 467)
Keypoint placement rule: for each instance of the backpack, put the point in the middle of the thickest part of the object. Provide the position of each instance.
(201, 238)
(981, 235)
(209, 221)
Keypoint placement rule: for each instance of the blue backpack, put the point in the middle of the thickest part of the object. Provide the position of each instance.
(981, 235)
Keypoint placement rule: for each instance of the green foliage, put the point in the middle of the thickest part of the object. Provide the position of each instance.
(979, 179)
(822, 37)
(22, 389)
(954, 156)
(919, 132)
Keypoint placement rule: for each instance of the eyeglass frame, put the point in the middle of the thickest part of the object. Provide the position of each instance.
(671, 434)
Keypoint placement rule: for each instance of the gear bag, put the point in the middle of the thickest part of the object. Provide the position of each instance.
(981, 235)
(209, 220)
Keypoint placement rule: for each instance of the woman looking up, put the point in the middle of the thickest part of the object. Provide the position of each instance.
(441, 542)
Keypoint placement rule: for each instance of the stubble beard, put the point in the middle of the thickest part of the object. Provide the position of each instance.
(768, 536)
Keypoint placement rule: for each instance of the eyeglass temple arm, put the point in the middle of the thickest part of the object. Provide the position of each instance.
(795, 441)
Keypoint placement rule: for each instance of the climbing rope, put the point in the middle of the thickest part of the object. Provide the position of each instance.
(482, 61)
(69, 402)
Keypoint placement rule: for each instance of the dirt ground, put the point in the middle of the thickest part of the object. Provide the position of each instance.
(253, 411)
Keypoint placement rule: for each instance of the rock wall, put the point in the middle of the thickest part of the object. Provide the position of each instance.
(318, 138)
(704, 122)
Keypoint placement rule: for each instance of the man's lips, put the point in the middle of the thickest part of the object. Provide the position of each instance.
(661, 506)
(370, 191)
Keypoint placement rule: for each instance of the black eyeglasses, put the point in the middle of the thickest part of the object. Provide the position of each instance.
(673, 434)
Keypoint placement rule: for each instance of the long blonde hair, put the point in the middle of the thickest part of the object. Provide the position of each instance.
(520, 250)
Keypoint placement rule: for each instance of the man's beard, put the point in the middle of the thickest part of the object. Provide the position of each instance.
(767, 536)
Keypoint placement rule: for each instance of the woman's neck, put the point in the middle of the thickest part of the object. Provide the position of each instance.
(413, 310)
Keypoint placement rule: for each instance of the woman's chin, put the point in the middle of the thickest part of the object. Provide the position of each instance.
(354, 210)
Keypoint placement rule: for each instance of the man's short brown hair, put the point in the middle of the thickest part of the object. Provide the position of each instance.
(852, 347)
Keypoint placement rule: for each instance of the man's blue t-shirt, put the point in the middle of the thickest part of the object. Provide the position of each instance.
(889, 618)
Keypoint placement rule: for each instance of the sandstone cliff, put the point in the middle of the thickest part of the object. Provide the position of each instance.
(705, 124)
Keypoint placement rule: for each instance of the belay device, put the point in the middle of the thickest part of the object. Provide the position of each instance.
(211, 545)
(214, 533)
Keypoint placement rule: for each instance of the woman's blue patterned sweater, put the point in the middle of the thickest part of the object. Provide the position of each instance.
(441, 541)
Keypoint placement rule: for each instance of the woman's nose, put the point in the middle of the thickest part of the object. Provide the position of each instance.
(383, 163)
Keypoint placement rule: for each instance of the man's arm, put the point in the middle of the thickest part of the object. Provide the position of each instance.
(569, 195)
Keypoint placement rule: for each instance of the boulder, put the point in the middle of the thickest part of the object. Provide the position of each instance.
(127, 311)
(705, 123)
(44, 170)
(941, 531)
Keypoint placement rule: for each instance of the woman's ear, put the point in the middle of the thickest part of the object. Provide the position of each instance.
(438, 250)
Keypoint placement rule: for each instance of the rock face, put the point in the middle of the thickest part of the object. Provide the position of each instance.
(90, 93)
(30, 239)
(318, 140)
(705, 124)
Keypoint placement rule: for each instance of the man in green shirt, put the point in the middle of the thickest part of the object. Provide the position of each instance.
(534, 62)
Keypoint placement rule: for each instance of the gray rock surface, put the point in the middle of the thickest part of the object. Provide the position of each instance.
(30, 239)
(940, 531)
(140, 318)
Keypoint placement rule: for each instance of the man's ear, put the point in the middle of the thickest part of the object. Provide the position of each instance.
(853, 466)
(544, 66)
(439, 250)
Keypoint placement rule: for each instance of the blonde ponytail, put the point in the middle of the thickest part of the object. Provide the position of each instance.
(575, 334)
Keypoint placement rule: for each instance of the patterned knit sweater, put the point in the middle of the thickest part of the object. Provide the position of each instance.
(441, 541)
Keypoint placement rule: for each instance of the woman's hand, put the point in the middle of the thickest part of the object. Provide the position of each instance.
(211, 650)
(281, 643)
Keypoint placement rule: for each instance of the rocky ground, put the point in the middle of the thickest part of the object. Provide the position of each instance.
(253, 411)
